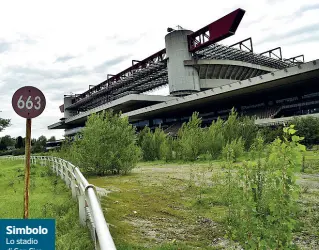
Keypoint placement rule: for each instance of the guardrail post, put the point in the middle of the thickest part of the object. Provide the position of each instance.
(72, 181)
(73, 187)
(66, 173)
(60, 172)
(56, 166)
(52, 166)
(82, 212)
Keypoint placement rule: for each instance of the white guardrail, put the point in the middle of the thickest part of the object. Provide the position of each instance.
(90, 211)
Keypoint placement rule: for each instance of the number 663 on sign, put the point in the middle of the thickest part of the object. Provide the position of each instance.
(28, 102)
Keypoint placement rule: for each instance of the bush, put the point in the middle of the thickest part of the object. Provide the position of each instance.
(234, 148)
(190, 139)
(215, 140)
(235, 127)
(15, 152)
(307, 127)
(262, 196)
(108, 145)
(151, 143)
(167, 149)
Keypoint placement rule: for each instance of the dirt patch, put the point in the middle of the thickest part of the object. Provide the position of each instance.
(158, 204)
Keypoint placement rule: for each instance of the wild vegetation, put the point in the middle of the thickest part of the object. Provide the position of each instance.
(248, 194)
(107, 146)
(49, 198)
(15, 146)
(181, 205)
(4, 123)
(192, 141)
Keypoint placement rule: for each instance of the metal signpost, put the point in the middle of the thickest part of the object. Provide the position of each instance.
(28, 102)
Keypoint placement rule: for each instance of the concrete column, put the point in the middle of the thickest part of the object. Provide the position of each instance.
(182, 80)
(67, 103)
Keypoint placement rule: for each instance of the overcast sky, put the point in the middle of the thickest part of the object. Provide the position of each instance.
(62, 47)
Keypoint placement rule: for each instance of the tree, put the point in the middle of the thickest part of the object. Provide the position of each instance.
(52, 139)
(3, 146)
(108, 145)
(215, 140)
(39, 145)
(4, 123)
(147, 144)
(271, 133)
(236, 127)
(19, 142)
(8, 140)
(190, 139)
(151, 143)
(33, 141)
(307, 127)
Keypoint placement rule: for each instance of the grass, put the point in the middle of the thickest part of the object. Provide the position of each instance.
(49, 198)
(311, 161)
(175, 206)
(156, 207)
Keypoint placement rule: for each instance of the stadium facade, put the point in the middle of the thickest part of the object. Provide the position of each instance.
(202, 76)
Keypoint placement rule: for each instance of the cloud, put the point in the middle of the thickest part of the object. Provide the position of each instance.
(126, 41)
(64, 58)
(4, 46)
(102, 68)
(44, 53)
(26, 39)
(298, 32)
(306, 8)
(40, 73)
(131, 40)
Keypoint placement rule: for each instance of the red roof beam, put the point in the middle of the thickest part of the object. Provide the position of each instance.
(216, 31)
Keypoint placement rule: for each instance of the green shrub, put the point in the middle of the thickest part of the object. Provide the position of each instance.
(167, 149)
(108, 145)
(215, 139)
(307, 127)
(234, 148)
(190, 139)
(262, 196)
(151, 143)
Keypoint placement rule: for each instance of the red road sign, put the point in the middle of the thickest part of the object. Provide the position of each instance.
(28, 102)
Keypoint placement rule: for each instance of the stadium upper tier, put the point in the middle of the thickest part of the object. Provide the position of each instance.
(155, 74)
(152, 72)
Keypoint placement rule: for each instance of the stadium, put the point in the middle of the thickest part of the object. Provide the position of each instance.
(203, 76)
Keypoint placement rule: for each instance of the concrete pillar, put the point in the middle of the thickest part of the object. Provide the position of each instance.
(67, 103)
(182, 80)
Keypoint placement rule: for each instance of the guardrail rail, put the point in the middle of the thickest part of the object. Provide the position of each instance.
(90, 211)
